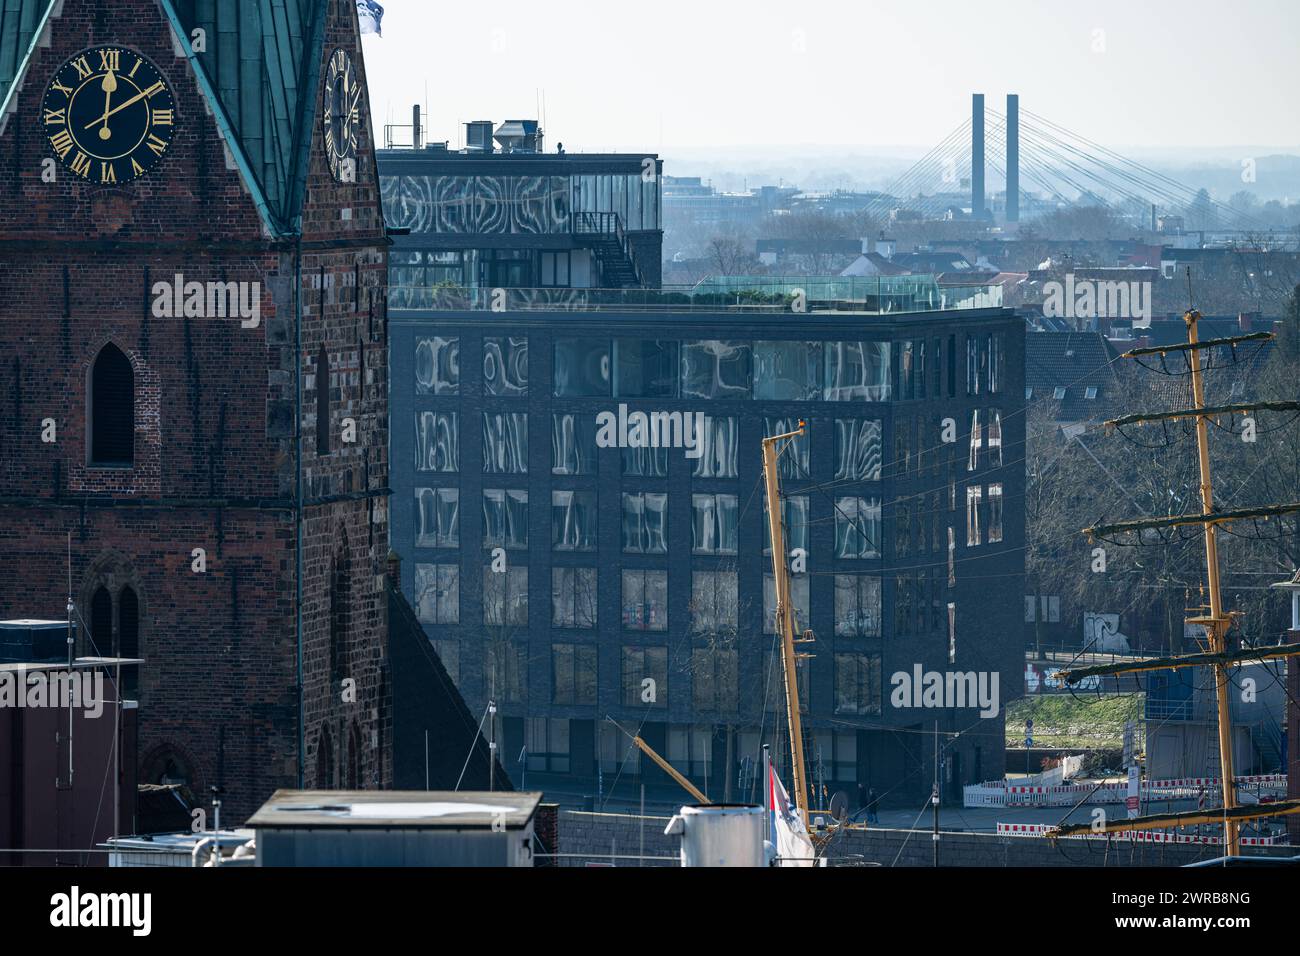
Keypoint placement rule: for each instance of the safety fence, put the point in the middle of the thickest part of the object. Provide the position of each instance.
(1000, 794)
(1139, 836)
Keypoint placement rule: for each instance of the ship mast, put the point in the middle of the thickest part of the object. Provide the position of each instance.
(785, 613)
(1216, 622)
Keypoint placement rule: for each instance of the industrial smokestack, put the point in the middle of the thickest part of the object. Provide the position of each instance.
(977, 157)
(1013, 157)
(415, 126)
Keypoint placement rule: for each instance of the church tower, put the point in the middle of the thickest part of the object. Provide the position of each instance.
(193, 362)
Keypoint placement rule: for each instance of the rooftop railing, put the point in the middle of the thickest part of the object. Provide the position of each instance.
(763, 294)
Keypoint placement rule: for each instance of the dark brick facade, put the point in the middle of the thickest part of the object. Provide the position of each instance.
(894, 748)
(217, 460)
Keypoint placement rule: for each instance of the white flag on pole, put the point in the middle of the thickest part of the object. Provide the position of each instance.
(793, 847)
(371, 15)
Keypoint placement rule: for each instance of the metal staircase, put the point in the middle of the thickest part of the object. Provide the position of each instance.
(604, 235)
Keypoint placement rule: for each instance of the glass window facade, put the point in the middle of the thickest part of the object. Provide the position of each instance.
(857, 684)
(437, 366)
(505, 366)
(645, 600)
(437, 593)
(688, 603)
(857, 371)
(716, 369)
(573, 444)
(645, 523)
(505, 443)
(721, 441)
(857, 527)
(646, 368)
(437, 518)
(505, 518)
(505, 597)
(645, 677)
(714, 602)
(573, 670)
(714, 524)
(437, 442)
(573, 520)
(582, 368)
(857, 449)
(857, 605)
(788, 371)
(573, 597)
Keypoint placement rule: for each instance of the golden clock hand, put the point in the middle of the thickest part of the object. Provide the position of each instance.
(117, 109)
(110, 86)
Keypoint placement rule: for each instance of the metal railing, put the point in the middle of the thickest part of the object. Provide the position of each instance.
(763, 298)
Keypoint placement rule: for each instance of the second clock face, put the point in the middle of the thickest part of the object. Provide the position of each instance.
(109, 115)
(342, 116)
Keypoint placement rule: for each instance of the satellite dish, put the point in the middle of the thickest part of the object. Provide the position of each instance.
(839, 806)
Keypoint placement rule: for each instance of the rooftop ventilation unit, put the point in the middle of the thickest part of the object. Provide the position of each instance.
(478, 136)
(519, 136)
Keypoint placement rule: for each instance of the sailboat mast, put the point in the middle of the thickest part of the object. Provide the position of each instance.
(1217, 625)
(785, 614)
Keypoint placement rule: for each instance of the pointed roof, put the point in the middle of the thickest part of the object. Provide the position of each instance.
(20, 23)
(258, 70)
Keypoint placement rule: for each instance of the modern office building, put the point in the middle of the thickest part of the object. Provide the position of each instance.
(511, 216)
(577, 497)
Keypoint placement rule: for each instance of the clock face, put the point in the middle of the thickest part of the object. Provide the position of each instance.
(109, 115)
(342, 116)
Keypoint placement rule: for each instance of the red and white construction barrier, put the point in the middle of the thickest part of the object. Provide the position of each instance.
(997, 793)
(1138, 836)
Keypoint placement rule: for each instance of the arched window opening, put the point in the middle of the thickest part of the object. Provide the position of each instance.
(111, 414)
(354, 760)
(99, 642)
(324, 761)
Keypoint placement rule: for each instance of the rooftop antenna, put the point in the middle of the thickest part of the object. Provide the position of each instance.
(71, 648)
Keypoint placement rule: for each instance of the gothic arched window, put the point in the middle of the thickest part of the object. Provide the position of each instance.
(110, 414)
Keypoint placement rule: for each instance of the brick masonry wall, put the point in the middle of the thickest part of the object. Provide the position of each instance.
(599, 834)
(216, 451)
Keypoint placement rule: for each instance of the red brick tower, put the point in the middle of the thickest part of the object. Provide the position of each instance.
(193, 360)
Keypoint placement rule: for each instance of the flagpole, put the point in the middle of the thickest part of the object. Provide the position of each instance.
(767, 793)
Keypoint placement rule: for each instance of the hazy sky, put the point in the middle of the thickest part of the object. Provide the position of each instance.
(682, 76)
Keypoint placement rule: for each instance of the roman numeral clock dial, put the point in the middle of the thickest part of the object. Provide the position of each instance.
(109, 115)
(341, 116)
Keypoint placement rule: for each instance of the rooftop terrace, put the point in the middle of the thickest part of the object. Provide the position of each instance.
(882, 295)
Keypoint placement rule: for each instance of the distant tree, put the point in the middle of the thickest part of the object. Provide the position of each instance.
(1088, 223)
(1200, 214)
(1243, 200)
(730, 256)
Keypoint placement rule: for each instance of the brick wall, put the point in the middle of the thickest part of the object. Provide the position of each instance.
(216, 452)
